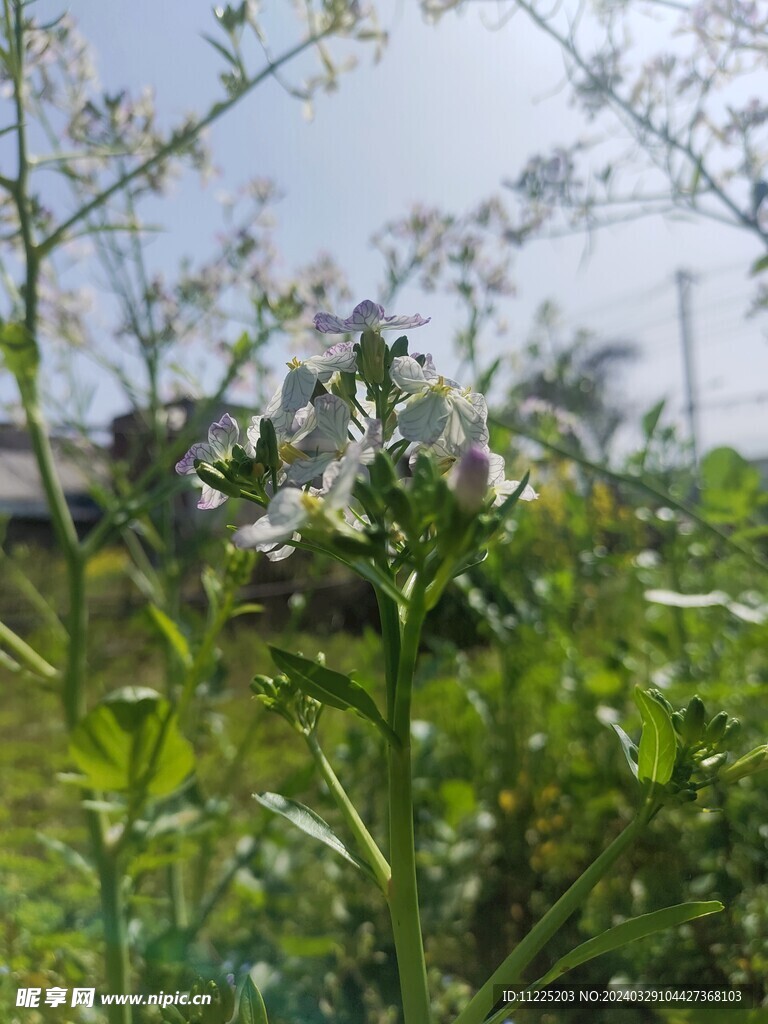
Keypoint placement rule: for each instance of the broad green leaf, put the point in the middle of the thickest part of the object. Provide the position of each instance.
(658, 743)
(251, 1009)
(172, 634)
(131, 742)
(326, 686)
(629, 931)
(629, 748)
(310, 823)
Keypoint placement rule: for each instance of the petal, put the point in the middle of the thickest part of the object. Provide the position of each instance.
(424, 417)
(507, 487)
(326, 323)
(372, 440)
(304, 471)
(201, 451)
(397, 323)
(283, 552)
(286, 513)
(222, 435)
(210, 498)
(496, 470)
(340, 357)
(332, 420)
(466, 424)
(339, 478)
(367, 315)
(295, 391)
(406, 374)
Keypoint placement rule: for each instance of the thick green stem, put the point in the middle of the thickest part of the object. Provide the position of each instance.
(403, 890)
(510, 971)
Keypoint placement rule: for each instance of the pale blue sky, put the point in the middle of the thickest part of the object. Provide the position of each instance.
(446, 115)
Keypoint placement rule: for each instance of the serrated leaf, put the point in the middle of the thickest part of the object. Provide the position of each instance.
(658, 743)
(328, 687)
(172, 634)
(251, 1008)
(629, 748)
(131, 742)
(629, 931)
(311, 824)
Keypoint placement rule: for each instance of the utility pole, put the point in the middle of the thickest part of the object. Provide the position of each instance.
(684, 279)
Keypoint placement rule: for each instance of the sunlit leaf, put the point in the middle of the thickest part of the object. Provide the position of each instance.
(658, 743)
(311, 824)
(251, 1009)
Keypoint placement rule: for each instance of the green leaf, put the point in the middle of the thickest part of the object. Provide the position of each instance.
(326, 686)
(658, 743)
(759, 265)
(19, 350)
(651, 419)
(629, 931)
(251, 1008)
(172, 634)
(131, 742)
(310, 823)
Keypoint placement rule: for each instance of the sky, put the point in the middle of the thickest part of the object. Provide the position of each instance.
(448, 113)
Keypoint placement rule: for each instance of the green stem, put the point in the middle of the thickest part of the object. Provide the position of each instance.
(403, 890)
(117, 963)
(510, 971)
(26, 654)
(365, 841)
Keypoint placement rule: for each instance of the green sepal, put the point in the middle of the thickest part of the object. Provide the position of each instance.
(657, 751)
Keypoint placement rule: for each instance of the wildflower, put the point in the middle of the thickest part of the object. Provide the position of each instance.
(366, 316)
(503, 488)
(299, 384)
(291, 509)
(222, 437)
(437, 406)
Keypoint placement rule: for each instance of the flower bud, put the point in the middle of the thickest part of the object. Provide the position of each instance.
(755, 761)
(469, 479)
(216, 479)
(373, 350)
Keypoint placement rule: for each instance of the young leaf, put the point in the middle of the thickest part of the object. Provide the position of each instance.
(629, 748)
(326, 686)
(626, 932)
(310, 823)
(251, 1009)
(131, 742)
(658, 743)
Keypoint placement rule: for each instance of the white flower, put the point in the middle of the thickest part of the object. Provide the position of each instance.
(503, 488)
(438, 408)
(296, 390)
(329, 439)
(222, 437)
(291, 508)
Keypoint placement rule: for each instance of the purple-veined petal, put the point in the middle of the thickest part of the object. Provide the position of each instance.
(295, 391)
(466, 424)
(407, 375)
(341, 357)
(366, 315)
(327, 323)
(400, 323)
(496, 470)
(210, 498)
(332, 415)
(202, 451)
(423, 417)
(222, 435)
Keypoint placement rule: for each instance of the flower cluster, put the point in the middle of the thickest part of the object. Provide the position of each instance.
(322, 429)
